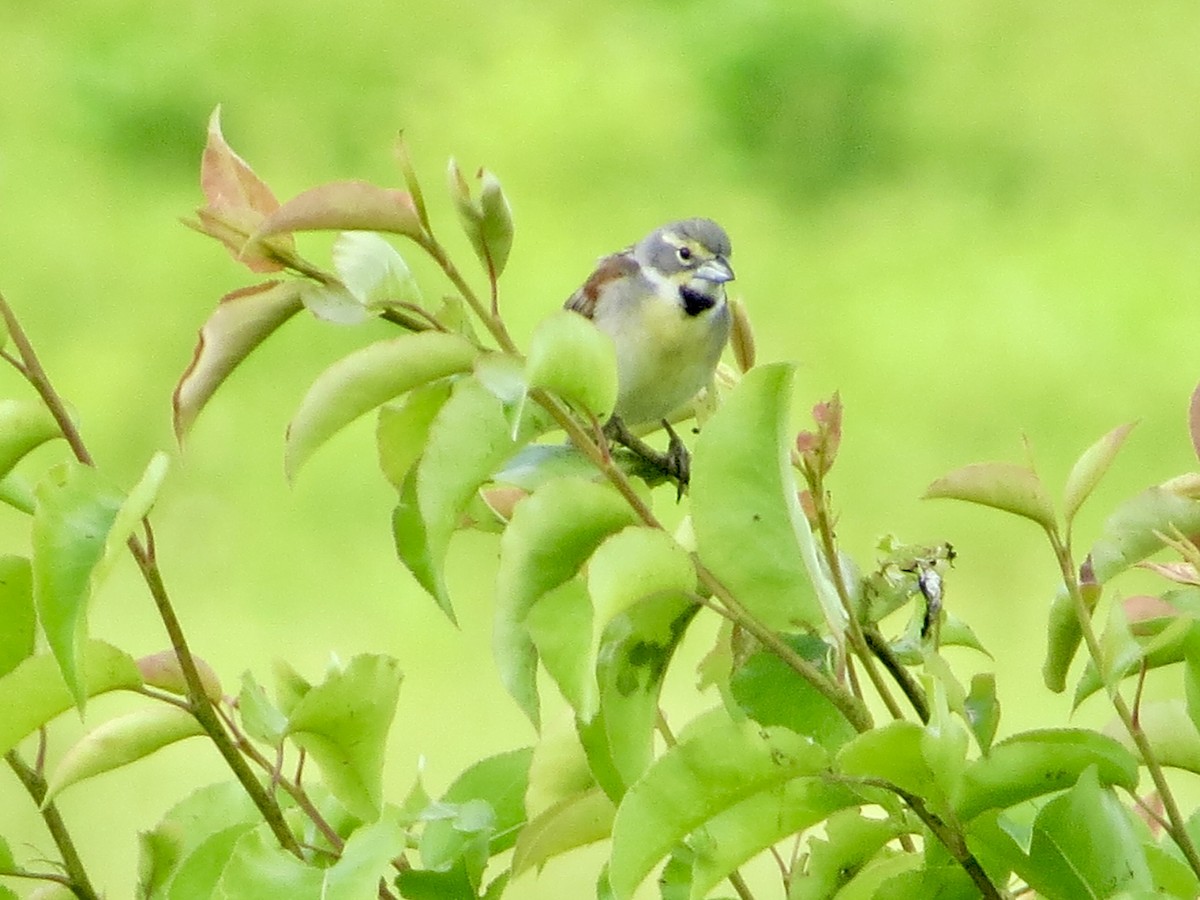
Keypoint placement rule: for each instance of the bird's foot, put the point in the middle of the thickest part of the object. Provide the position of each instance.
(674, 464)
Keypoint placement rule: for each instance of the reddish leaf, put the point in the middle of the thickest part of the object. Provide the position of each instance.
(242, 321)
(346, 206)
(227, 180)
(238, 201)
(1012, 488)
(1194, 419)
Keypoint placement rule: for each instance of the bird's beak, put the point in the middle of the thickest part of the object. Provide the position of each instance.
(717, 270)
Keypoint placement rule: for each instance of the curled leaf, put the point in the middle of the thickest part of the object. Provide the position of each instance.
(1007, 486)
(367, 378)
(24, 426)
(76, 508)
(346, 206)
(1090, 468)
(1194, 419)
(741, 337)
(243, 320)
(573, 359)
(119, 742)
(496, 226)
(373, 271)
(162, 670)
(238, 201)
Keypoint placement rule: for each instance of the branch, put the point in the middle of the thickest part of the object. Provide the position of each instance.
(77, 878)
(1177, 825)
(201, 707)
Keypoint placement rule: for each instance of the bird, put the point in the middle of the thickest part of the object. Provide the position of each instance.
(662, 301)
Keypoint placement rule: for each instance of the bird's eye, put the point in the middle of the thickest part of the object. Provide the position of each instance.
(684, 253)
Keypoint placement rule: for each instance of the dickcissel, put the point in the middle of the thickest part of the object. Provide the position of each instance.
(662, 301)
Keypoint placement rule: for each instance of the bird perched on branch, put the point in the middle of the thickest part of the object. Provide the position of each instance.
(662, 301)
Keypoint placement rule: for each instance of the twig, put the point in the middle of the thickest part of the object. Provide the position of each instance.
(77, 880)
(200, 705)
(1177, 826)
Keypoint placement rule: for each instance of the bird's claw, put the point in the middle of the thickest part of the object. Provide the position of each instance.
(675, 463)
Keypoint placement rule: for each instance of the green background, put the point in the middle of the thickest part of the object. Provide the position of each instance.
(979, 221)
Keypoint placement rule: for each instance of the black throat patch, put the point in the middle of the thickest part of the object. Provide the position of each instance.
(695, 302)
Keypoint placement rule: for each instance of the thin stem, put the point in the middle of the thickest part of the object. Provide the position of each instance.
(735, 877)
(949, 836)
(200, 705)
(292, 787)
(1177, 826)
(35, 785)
(853, 709)
(824, 528)
(901, 675)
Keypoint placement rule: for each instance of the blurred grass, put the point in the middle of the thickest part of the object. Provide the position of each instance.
(977, 221)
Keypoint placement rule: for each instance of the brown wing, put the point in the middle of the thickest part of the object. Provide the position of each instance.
(610, 268)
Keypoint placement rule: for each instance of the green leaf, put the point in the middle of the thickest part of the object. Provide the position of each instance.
(1130, 534)
(1100, 860)
(1006, 486)
(1035, 763)
(24, 426)
(331, 302)
(367, 378)
(629, 567)
(559, 625)
(136, 507)
(573, 359)
(501, 782)
(243, 320)
(259, 717)
(1171, 732)
(34, 692)
(463, 845)
(412, 544)
(772, 693)
(746, 829)
(119, 742)
(487, 222)
(469, 439)
(16, 612)
(6, 857)
(366, 858)
(346, 206)
(631, 665)
(403, 428)
(167, 851)
(1063, 636)
(982, 709)
(572, 822)
(693, 782)
(1191, 673)
(290, 686)
(343, 724)
(551, 534)
(373, 271)
(536, 464)
(199, 870)
(76, 507)
(496, 226)
(850, 841)
(750, 530)
(17, 492)
(894, 753)
(1090, 468)
(260, 869)
(1119, 652)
